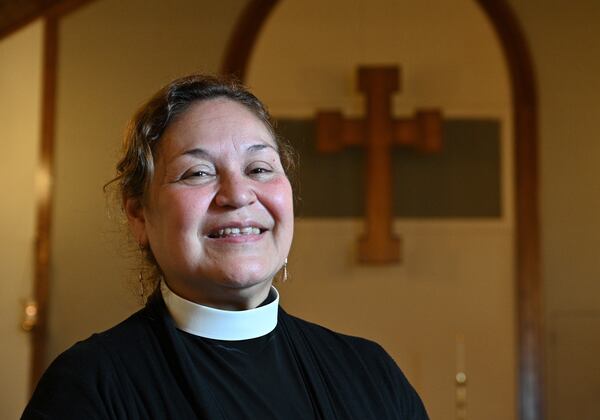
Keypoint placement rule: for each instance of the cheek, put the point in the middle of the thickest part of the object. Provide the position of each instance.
(279, 195)
(181, 210)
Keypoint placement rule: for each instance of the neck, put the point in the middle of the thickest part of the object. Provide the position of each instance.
(225, 298)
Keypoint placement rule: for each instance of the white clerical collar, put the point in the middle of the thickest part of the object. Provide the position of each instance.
(220, 324)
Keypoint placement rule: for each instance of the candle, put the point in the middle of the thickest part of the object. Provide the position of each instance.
(461, 378)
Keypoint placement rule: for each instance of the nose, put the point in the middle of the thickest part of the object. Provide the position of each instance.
(234, 191)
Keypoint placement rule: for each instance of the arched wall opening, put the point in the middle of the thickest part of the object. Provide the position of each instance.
(527, 277)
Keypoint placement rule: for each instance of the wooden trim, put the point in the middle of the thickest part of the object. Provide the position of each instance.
(528, 277)
(48, 8)
(41, 281)
(528, 262)
(64, 7)
(245, 33)
(44, 198)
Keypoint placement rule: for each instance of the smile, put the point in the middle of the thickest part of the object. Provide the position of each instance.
(235, 231)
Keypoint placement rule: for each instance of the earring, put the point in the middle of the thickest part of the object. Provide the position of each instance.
(141, 274)
(141, 280)
(285, 273)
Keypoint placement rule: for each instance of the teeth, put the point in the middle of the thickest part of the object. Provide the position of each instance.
(234, 231)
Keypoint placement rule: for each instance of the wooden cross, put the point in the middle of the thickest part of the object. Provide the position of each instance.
(378, 132)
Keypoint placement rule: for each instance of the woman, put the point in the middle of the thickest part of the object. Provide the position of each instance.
(205, 188)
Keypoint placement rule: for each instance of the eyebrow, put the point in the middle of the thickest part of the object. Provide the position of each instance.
(261, 146)
(197, 152)
(203, 153)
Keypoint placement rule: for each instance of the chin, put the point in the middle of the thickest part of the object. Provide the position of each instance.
(248, 276)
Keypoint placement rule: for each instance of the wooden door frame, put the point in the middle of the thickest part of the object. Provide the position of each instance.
(527, 272)
(50, 12)
(51, 17)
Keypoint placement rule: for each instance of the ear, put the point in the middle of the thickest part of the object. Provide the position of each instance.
(137, 220)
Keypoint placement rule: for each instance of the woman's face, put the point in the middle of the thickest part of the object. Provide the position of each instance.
(219, 213)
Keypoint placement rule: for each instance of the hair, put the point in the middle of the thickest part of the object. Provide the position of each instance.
(144, 132)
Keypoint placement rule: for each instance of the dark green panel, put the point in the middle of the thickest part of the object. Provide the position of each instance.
(461, 181)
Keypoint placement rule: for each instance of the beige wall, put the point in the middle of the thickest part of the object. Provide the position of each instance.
(447, 51)
(563, 37)
(113, 55)
(20, 94)
(457, 275)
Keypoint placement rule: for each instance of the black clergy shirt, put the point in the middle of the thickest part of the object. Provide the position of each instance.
(146, 368)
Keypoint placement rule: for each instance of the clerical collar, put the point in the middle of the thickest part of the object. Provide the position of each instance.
(220, 324)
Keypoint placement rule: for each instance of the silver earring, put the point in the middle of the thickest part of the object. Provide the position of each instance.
(141, 274)
(141, 280)
(285, 273)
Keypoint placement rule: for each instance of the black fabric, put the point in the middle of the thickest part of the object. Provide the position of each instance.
(144, 368)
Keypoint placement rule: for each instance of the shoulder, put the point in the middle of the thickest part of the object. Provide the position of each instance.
(342, 350)
(335, 341)
(360, 361)
(99, 347)
(84, 377)
(95, 349)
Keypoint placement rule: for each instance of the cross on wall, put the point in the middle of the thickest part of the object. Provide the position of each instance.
(378, 132)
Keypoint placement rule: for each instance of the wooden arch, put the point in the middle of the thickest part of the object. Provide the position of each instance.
(527, 243)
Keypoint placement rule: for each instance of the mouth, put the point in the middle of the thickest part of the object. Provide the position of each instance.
(233, 231)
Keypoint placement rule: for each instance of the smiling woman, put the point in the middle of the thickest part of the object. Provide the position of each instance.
(205, 188)
(205, 146)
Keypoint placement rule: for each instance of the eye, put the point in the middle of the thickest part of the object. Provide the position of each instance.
(259, 170)
(197, 175)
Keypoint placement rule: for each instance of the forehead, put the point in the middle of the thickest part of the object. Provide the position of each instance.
(215, 123)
